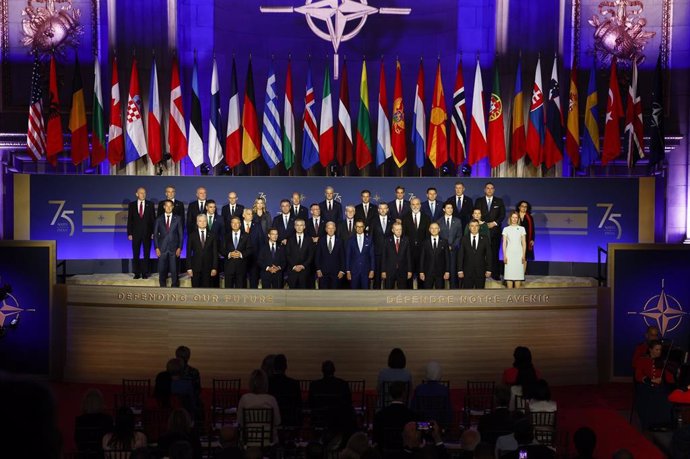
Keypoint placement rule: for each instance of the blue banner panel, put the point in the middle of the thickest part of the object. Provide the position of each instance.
(87, 216)
(28, 269)
(649, 287)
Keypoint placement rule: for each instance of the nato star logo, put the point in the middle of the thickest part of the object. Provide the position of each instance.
(663, 311)
(10, 310)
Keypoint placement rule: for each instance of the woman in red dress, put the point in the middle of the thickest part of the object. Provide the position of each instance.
(654, 383)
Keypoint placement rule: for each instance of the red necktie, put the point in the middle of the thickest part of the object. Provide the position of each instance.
(141, 209)
(397, 245)
(167, 222)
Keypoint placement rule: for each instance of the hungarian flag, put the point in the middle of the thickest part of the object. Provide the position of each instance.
(633, 122)
(657, 141)
(233, 139)
(289, 122)
(419, 133)
(398, 140)
(590, 141)
(458, 136)
(250, 135)
(478, 144)
(310, 130)
(215, 146)
(384, 149)
(572, 135)
(535, 126)
(196, 134)
(326, 152)
(614, 112)
(363, 150)
(343, 148)
(496, 136)
(518, 141)
(97, 118)
(437, 148)
(54, 140)
(553, 140)
(77, 119)
(177, 126)
(116, 141)
(154, 117)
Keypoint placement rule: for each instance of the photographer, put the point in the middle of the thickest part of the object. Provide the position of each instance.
(423, 440)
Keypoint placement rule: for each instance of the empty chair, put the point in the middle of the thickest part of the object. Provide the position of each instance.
(224, 400)
(479, 400)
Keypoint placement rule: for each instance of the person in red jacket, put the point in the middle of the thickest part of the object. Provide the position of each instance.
(651, 334)
(654, 382)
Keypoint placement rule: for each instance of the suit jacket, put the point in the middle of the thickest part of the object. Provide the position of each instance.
(218, 228)
(266, 259)
(225, 212)
(453, 235)
(334, 215)
(284, 233)
(192, 212)
(379, 234)
(465, 212)
(393, 209)
(303, 213)
(300, 256)
(438, 210)
(168, 240)
(244, 246)
(140, 226)
(371, 214)
(391, 260)
(497, 213)
(416, 235)
(178, 208)
(256, 236)
(311, 231)
(330, 262)
(357, 262)
(342, 230)
(435, 262)
(471, 261)
(202, 259)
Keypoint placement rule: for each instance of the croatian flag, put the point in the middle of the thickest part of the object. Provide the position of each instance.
(135, 139)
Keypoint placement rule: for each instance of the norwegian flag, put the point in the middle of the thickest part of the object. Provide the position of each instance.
(36, 133)
(458, 138)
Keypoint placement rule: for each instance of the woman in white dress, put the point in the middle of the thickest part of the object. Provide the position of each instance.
(514, 246)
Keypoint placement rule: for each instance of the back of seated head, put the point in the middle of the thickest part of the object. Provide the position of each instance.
(258, 382)
(174, 367)
(92, 402)
(328, 368)
(358, 442)
(523, 431)
(470, 439)
(267, 364)
(184, 353)
(433, 371)
(280, 364)
(181, 450)
(585, 441)
(502, 395)
(396, 358)
(396, 389)
(626, 454)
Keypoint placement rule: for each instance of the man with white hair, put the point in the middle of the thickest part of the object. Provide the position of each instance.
(431, 399)
(331, 210)
(415, 228)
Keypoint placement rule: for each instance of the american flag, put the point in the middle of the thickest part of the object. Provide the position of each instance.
(36, 133)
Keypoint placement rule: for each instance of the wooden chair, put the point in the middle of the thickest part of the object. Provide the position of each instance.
(257, 424)
(136, 386)
(543, 421)
(304, 388)
(357, 389)
(444, 382)
(225, 397)
(386, 396)
(479, 400)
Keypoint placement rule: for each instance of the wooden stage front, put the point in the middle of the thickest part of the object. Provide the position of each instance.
(121, 331)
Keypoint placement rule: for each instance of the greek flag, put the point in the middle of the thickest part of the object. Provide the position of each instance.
(271, 141)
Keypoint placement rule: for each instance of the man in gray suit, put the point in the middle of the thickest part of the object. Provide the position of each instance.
(451, 232)
(167, 238)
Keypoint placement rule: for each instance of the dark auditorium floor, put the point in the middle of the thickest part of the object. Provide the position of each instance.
(603, 408)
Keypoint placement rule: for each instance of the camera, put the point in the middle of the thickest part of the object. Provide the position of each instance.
(424, 426)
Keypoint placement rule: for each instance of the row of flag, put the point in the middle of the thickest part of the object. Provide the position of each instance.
(549, 132)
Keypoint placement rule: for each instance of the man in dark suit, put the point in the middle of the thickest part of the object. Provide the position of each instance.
(140, 220)
(178, 206)
(331, 210)
(231, 209)
(237, 249)
(287, 392)
(284, 222)
(462, 205)
(297, 210)
(389, 422)
(346, 228)
(380, 228)
(257, 238)
(272, 261)
(300, 257)
(451, 231)
(316, 226)
(330, 259)
(168, 233)
(330, 399)
(359, 258)
(396, 266)
(399, 207)
(474, 258)
(493, 213)
(416, 228)
(434, 263)
(366, 210)
(216, 226)
(196, 207)
(202, 254)
(432, 207)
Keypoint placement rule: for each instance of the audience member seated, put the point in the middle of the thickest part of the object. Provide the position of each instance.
(330, 401)
(585, 441)
(654, 380)
(389, 422)
(431, 399)
(123, 436)
(508, 443)
(229, 444)
(642, 349)
(468, 442)
(267, 365)
(538, 397)
(92, 424)
(395, 371)
(525, 445)
(258, 397)
(418, 444)
(500, 421)
(183, 389)
(189, 372)
(179, 429)
(287, 392)
(522, 373)
(356, 446)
